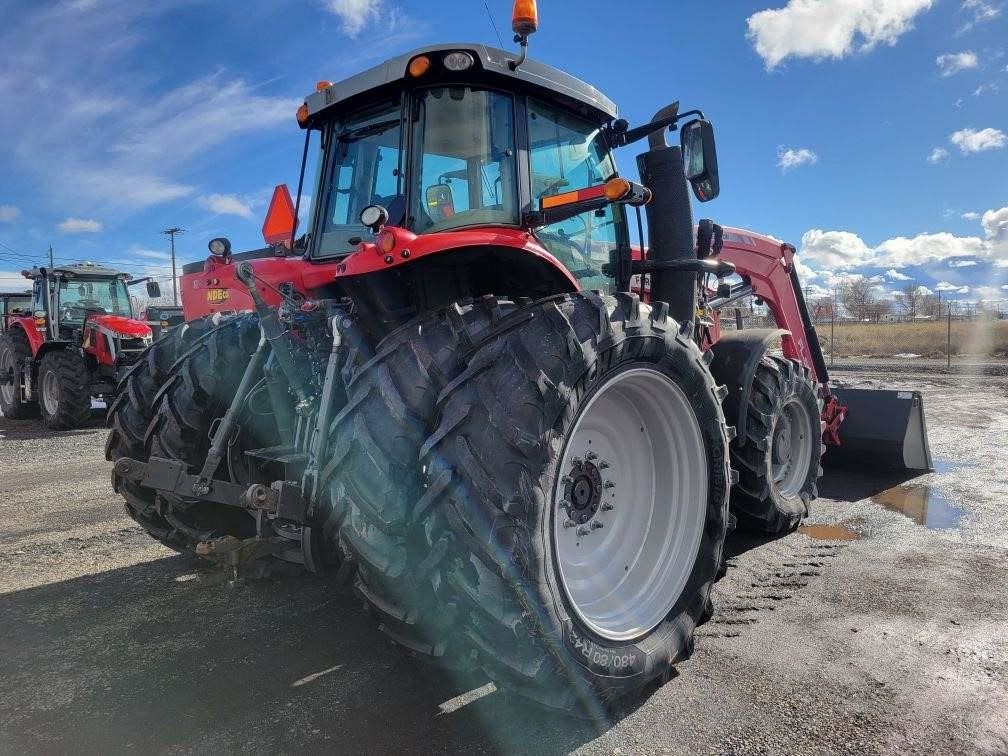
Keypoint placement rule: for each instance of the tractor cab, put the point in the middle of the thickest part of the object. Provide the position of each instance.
(452, 140)
(462, 171)
(14, 305)
(67, 295)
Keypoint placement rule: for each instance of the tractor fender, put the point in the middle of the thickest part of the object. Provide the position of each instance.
(736, 356)
(50, 346)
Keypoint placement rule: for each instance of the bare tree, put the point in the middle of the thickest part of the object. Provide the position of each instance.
(857, 295)
(909, 300)
(822, 309)
(929, 306)
(878, 309)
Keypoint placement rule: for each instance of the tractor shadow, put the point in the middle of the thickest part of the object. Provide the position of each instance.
(153, 658)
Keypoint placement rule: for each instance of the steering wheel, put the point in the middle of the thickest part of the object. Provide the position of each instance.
(83, 306)
(578, 248)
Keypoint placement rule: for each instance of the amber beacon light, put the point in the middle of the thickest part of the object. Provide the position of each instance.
(525, 17)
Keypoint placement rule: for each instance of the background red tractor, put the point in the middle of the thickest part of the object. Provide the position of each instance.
(73, 343)
(452, 392)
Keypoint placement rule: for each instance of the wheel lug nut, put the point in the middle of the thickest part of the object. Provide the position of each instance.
(603, 465)
(591, 456)
(596, 525)
(569, 524)
(566, 479)
(609, 484)
(576, 461)
(582, 531)
(607, 507)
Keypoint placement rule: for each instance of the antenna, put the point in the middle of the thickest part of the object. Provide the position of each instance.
(493, 23)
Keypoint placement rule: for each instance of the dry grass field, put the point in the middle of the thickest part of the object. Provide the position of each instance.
(928, 339)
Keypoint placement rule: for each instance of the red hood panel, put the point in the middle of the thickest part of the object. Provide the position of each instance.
(121, 325)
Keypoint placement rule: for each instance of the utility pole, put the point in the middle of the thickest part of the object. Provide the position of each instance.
(174, 285)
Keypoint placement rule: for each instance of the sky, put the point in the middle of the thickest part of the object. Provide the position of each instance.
(871, 134)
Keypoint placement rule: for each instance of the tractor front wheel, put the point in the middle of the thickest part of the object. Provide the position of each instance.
(578, 495)
(64, 387)
(778, 456)
(14, 352)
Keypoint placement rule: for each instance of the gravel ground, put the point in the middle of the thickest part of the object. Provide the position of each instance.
(882, 627)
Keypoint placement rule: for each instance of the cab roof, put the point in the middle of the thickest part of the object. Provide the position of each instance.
(491, 64)
(81, 269)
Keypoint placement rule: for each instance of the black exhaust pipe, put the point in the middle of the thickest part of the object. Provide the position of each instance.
(670, 221)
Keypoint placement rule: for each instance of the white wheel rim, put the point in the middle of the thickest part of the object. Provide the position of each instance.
(50, 392)
(635, 447)
(791, 448)
(7, 386)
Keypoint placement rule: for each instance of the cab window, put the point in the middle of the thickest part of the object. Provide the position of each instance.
(568, 153)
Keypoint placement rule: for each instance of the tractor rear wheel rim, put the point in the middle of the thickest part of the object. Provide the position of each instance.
(791, 450)
(50, 392)
(625, 553)
(8, 383)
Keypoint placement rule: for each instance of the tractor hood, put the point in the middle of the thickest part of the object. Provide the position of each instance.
(121, 326)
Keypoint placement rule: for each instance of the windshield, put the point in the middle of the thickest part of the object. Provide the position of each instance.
(568, 153)
(77, 296)
(364, 168)
(463, 167)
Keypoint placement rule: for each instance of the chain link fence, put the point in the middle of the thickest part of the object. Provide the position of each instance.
(955, 339)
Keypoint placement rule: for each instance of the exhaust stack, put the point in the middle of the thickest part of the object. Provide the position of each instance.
(670, 221)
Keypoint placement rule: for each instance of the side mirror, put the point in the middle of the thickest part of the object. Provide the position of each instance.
(700, 159)
(153, 289)
(440, 202)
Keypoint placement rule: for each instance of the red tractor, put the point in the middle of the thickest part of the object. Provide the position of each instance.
(451, 397)
(74, 342)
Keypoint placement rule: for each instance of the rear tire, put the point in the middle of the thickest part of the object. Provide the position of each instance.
(129, 416)
(375, 477)
(189, 404)
(778, 459)
(499, 469)
(64, 387)
(14, 351)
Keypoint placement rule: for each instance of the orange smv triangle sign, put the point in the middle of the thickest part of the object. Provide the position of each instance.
(280, 223)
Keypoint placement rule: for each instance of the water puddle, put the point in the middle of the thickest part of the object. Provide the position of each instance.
(922, 504)
(829, 532)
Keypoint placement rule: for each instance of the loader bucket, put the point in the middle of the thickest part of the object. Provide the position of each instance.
(883, 430)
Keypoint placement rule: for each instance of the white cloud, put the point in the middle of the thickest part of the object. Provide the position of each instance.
(834, 249)
(789, 158)
(821, 29)
(12, 280)
(995, 223)
(924, 291)
(151, 254)
(80, 226)
(970, 216)
(121, 121)
(990, 87)
(844, 250)
(938, 155)
(895, 275)
(355, 14)
(946, 286)
(953, 63)
(962, 263)
(227, 204)
(980, 11)
(9, 213)
(970, 140)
